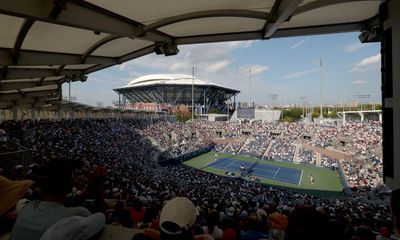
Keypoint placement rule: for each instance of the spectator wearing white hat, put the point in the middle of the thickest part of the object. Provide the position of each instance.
(177, 219)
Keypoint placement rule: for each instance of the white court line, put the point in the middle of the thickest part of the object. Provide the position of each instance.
(226, 166)
(301, 176)
(276, 173)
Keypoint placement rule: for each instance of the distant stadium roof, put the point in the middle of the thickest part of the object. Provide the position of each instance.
(45, 43)
(171, 79)
(176, 89)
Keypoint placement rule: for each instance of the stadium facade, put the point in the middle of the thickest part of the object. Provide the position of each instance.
(175, 90)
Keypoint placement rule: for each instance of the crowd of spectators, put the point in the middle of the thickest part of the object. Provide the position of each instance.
(281, 150)
(256, 146)
(116, 177)
(307, 156)
(329, 162)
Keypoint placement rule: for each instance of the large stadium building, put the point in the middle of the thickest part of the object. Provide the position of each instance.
(175, 90)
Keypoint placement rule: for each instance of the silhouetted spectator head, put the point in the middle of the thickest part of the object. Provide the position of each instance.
(306, 223)
(395, 207)
(56, 177)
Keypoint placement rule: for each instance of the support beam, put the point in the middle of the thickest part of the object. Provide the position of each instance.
(35, 58)
(15, 96)
(26, 73)
(97, 45)
(23, 31)
(136, 54)
(10, 85)
(59, 69)
(22, 93)
(28, 101)
(320, 4)
(361, 116)
(287, 32)
(15, 113)
(281, 12)
(240, 36)
(33, 114)
(390, 53)
(321, 29)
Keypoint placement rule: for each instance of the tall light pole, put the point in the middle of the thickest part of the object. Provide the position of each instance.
(249, 86)
(304, 98)
(321, 88)
(361, 96)
(273, 96)
(192, 94)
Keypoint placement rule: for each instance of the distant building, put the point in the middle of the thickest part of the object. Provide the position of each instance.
(163, 91)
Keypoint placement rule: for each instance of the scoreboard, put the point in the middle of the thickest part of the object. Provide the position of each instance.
(246, 113)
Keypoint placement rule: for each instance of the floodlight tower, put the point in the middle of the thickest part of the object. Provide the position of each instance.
(249, 86)
(304, 99)
(273, 96)
(321, 88)
(192, 94)
(361, 96)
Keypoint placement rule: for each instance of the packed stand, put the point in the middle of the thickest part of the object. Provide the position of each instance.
(307, 156)
(116, 178)
(281, 150)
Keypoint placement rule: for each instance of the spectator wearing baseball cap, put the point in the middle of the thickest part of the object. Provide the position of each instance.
(177, 218)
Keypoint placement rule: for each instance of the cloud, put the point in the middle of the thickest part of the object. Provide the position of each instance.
(298, 44)
(367, 64)
(208, 58)
(358, 82)
(300, 74)
(217, 66)
(354, 46)
(255, 69)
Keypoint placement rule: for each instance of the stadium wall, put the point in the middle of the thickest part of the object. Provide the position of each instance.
(343, 180)
(187, 156)
(264, 115)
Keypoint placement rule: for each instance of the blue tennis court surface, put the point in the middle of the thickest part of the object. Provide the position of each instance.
(289, 175)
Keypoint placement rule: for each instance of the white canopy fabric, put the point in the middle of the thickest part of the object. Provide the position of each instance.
(45, 43)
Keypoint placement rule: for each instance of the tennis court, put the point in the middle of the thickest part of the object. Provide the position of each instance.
(262, 170)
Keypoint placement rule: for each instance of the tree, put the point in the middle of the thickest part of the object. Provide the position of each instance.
(182, 116)
(287, 119)
(315, 114)
(214, 110)
(292, 114)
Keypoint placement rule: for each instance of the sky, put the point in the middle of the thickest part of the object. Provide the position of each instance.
(288, 67)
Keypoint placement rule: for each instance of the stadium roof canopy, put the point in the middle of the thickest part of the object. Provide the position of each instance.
(176, 89)
(45, 43)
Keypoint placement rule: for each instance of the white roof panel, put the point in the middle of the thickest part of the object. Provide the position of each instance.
(121, 47)
(55, 38)
(9, 28)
